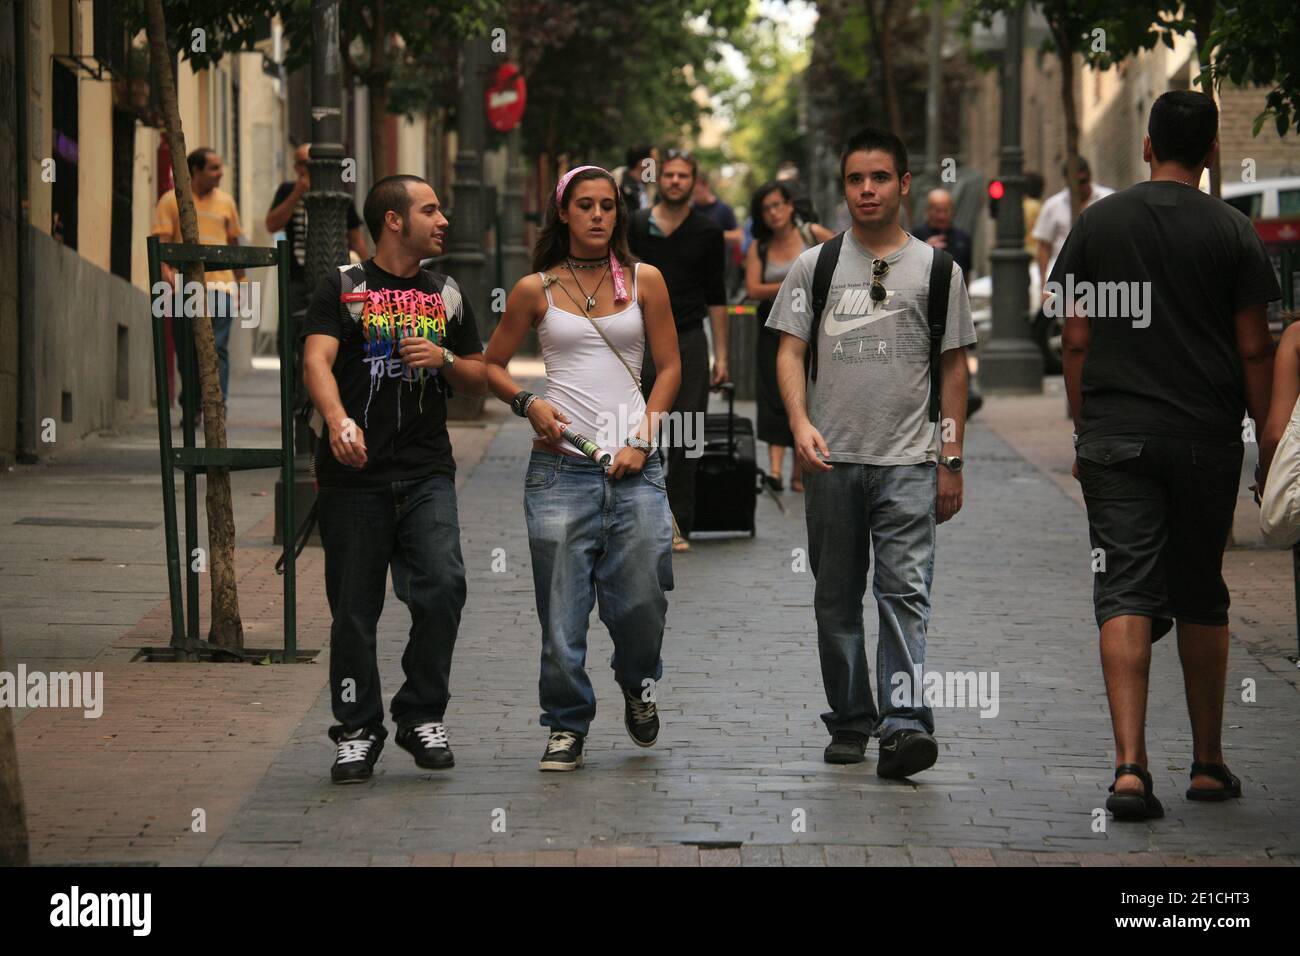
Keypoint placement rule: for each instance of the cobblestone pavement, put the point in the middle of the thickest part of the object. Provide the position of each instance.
(737, 775)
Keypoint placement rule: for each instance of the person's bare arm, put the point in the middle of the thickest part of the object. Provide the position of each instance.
(280, 215)
(661, 337)
(790, 374)
(1286, 390)
(755, 287)
(346, 439)
(1044, 254)
(524, 306)
(718, 319)
(821, 233)
(953, 385)
(1255, 348)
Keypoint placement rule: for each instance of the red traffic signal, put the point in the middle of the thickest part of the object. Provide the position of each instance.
(997, 189)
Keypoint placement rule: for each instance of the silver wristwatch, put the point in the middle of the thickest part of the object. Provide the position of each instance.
(448, 357)
(641, 445)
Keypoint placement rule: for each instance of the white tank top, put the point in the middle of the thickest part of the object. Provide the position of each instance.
(585, 379)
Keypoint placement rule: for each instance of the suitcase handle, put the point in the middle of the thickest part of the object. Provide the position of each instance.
(730, 389)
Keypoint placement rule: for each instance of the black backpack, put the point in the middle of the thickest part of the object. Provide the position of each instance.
(937, 312)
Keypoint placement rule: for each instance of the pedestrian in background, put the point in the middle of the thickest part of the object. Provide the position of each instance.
(778, 242)
(939, 231)
(218, 226)
(1158, 391)
(289, 212)
(686, 246)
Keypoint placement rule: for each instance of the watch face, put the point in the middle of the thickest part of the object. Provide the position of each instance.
(954, 463)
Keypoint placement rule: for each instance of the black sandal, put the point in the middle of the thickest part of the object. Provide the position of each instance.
(1231, 785)
(1126, 805)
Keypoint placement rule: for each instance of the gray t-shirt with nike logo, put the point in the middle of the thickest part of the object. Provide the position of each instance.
(871, 400)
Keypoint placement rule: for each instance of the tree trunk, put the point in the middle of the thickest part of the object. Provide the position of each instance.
(226, 629)
(1202, 16)
(13, 820)
(1066, 55)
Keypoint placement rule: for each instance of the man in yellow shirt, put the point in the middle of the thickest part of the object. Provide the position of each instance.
(218, 226)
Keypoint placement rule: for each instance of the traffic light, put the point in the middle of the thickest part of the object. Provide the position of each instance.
(996, 191)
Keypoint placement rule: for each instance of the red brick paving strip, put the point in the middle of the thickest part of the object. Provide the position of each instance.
(172, 738)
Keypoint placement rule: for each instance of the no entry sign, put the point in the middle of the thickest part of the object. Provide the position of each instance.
(505, 98)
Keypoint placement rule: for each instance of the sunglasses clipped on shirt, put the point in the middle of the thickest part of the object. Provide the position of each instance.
(879, 269)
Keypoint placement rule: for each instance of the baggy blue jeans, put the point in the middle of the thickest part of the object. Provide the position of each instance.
(591, 536)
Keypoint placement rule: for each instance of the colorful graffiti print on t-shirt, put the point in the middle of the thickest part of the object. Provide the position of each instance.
(389, 316)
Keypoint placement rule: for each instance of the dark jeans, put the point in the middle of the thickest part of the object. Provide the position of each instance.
(692, 397)
(414, 526)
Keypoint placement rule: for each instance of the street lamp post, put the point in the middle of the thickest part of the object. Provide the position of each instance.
(327, 210)
(1011, 364)
(466, 259)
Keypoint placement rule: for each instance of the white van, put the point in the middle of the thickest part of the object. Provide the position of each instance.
(1266, 199)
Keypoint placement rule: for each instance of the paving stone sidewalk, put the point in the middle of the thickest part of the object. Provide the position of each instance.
(737, 775)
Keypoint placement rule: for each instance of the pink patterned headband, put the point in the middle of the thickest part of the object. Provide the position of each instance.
(615, 269)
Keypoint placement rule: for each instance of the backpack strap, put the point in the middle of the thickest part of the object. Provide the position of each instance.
(352, 279)
(937, 316)
(828, 257)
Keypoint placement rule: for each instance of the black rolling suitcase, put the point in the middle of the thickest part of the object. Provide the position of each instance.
(726, 478)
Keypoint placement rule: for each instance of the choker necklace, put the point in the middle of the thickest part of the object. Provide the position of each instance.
(586, 263)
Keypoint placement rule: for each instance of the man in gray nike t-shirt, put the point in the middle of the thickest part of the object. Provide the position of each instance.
(879, 474)
(871, 399)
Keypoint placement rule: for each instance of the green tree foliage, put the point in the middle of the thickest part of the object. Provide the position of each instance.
(604, 76)
(1259, 43)
(764, 108)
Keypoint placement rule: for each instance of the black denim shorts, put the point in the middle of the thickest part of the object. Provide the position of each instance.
(1159, 514)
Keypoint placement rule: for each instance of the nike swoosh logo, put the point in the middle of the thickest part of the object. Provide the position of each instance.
(836, 326)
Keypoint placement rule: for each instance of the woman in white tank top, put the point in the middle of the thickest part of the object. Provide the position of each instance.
(596, 530)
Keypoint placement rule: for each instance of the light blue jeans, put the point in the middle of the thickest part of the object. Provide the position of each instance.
(591, 537)
(852, 511)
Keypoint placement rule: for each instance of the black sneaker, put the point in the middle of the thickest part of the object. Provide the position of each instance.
(563, 751)
(354, 761)
(641, 718)
(905, 752)
(427, 743)
(846, 746)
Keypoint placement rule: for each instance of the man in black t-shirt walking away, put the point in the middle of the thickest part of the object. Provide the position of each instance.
(1166, 347)
(687, 247)
(385, 342)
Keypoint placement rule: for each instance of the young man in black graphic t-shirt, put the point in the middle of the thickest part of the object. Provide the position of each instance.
(385, 342)
(1166, 348)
